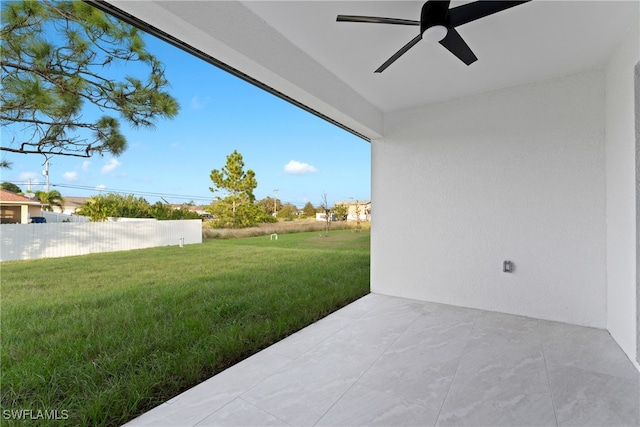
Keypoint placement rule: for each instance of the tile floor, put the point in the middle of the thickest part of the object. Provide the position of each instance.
(396, 362)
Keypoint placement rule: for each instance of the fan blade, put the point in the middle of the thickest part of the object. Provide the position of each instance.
(399, 53)
(456, 45)
(376, 20)
(461, 15)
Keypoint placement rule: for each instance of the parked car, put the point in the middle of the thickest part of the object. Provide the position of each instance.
(38, 220)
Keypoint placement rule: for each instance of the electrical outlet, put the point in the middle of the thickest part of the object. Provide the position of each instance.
(508, 267)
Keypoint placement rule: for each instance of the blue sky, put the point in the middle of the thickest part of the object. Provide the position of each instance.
(289, 149)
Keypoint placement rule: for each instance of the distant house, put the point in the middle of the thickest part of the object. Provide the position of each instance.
(323, 217)
(193, 208)
(363, 207)
(70, 205)
(17, 209)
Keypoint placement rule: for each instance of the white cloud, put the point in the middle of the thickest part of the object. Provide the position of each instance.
(70, 176)
(101, 187)
(110, 166)
(85, 165)
(26, 176)
(299, 168)
(197, 103)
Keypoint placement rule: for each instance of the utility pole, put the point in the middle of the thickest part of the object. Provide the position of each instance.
(29, 192)
(275, 201)
(45, 172)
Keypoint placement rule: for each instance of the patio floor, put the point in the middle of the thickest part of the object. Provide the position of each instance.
(392, 361)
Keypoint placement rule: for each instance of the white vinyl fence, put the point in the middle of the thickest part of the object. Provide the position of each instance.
(31, 241)
(58, 217)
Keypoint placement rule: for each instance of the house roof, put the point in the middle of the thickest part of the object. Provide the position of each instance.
(73, 201)
(193, 208)
(9, 197)
(353, 202)
(299, 51)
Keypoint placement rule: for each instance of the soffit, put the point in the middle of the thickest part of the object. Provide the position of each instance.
(298, 48)
(530, 42)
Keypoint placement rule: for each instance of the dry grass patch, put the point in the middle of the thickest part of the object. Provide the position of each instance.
(281, 227)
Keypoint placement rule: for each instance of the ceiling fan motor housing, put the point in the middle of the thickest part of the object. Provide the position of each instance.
(434, 20)
(434, 13)
(438, 25)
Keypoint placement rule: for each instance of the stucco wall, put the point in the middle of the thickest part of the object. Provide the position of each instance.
(21, 214)
(637, 102)
(10, 214)
(621, 193)
(516, 174)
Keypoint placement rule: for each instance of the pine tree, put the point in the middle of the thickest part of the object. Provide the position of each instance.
(237, 209)
(58, 56)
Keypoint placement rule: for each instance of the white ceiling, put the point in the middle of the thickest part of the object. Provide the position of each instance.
(530, 42)
(297, 48)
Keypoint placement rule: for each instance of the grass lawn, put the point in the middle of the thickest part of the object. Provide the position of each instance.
(105, 337)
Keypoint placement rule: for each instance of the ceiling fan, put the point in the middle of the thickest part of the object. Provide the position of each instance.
(437, 24)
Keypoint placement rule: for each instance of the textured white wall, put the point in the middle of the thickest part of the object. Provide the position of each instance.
(621, 193)
(516, 174)
(50, 240)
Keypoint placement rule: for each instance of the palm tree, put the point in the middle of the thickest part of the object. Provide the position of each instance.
(50, 199)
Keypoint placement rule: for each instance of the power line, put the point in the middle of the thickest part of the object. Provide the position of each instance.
(136, 192)
(155, 194)
(121, 191)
